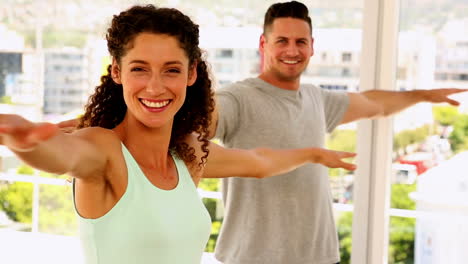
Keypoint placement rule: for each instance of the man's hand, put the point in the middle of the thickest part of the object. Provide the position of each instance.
(22, 135)
(379, 103)
(68, 126)
(442, 95)
(334, 159)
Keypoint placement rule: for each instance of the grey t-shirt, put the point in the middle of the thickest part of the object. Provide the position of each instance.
(285, 219)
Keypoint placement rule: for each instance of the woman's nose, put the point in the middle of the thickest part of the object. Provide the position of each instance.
(155, 86)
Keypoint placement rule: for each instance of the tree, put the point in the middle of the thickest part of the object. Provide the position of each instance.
(445, 115)
(16, 201)
(459, 136)
(16, 198)
(212, 207)
(411, 136)
(401, 244)
(342, 140)
(56, 213)
(5, 100)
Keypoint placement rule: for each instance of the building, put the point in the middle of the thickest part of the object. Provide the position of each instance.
(11, 48)
(452, 55)
(232, 52)
(442, 193)
(66, 84)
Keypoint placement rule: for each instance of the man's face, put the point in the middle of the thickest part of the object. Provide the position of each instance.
(286, 47)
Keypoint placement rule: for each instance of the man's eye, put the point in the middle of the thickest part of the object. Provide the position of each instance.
(136, 69)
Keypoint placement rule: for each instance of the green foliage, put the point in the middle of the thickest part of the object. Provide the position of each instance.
(445, 115)
(401, 247)
(215, 227)
(63, 38)
(344, 226)
(408, 137)
(56, 212)
(211, 205)
(342, 140)
(16, 201)
(459, 136)
(400, 198)
(209, 184)
(5, 100)
(25, 170)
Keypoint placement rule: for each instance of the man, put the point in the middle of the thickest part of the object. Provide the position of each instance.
(289, 220)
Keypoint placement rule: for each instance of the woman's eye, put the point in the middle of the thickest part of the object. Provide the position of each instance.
(136, 69)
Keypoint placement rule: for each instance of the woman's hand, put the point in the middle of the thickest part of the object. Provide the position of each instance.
(22, 135)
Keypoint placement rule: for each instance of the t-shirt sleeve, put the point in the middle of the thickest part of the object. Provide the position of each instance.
(228, 114)
(335, 105)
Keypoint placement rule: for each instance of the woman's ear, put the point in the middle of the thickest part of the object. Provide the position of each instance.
(192, 74)
(115, 72)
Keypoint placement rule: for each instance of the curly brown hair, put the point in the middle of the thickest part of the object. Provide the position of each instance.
(106, 107)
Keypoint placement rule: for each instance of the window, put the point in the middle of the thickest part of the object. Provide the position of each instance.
(224, 53)
(424, 146)
(71, 25)
(346, 57)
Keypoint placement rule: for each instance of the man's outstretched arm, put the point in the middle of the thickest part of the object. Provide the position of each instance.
(214, 122)
(378, 103)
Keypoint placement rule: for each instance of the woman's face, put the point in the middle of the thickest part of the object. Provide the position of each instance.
(154, 74)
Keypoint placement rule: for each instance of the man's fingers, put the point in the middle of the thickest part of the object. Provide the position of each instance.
(453, 102)
(68, 123)
(345, 154)
(349, 166)
(346, 166)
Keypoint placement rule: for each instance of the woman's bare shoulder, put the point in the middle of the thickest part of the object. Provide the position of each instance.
(100, 137)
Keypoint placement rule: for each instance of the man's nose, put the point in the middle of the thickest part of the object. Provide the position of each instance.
(292, 50)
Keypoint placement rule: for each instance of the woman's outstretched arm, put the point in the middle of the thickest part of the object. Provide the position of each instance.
(44, 147)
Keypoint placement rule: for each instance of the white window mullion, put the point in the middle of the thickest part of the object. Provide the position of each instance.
(374, 142)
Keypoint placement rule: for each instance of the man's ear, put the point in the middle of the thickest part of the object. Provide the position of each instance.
(312, 46)
(261, 43)
(192, 74)
(115, 72)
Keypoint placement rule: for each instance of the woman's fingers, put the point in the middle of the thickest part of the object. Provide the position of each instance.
(20, 134)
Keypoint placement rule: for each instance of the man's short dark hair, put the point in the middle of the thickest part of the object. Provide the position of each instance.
(291, 9)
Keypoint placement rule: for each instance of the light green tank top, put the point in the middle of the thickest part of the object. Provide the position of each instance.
(148, 224)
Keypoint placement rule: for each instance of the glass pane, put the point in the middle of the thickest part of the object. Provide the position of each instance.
(56, 213)
(51, 58)
(429, 140)
(344, 225)
(402, 236)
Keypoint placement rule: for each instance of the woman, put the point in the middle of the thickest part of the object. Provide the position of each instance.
(143, 147)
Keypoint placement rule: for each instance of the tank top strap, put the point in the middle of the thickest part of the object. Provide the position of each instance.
(132, 165)
(184, 175)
